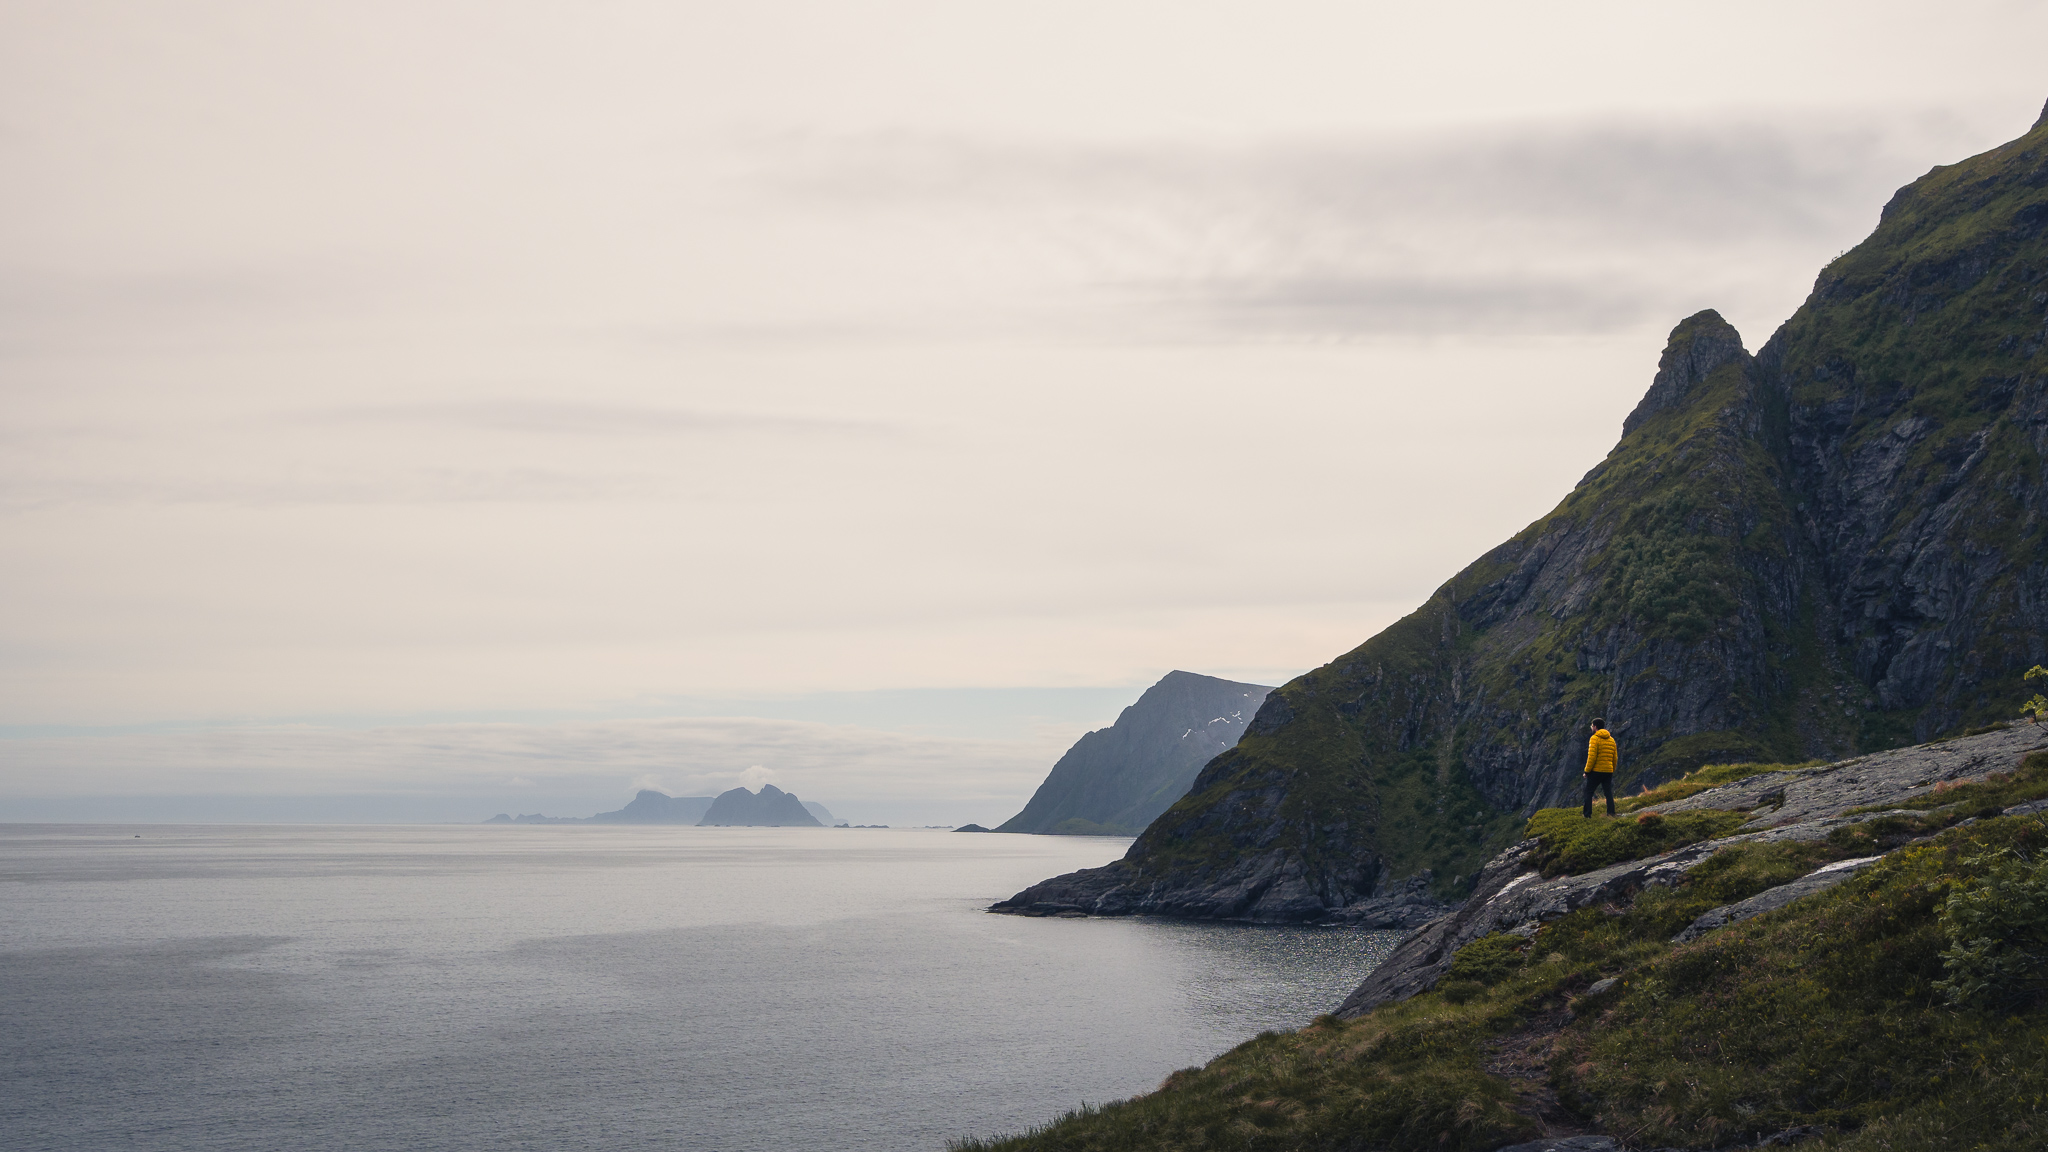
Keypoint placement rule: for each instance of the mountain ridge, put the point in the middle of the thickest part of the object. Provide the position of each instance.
(1117, 780)
(1835, 545)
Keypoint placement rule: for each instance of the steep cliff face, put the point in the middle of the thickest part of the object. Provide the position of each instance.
(1120, 778)
(1831, 547)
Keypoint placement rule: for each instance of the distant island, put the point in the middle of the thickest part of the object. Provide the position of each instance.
(651, 807)
(769, 808)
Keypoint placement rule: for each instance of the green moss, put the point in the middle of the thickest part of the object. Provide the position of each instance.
(1699, 780)
(1489, 959)
(1573, 843)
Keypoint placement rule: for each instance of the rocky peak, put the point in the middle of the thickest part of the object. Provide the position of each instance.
(1701, 343)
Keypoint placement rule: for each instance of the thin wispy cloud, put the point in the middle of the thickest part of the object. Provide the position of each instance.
(568, 418)
(599, 763)
(1565, 227)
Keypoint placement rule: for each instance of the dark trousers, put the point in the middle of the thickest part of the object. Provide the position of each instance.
(1599, 782)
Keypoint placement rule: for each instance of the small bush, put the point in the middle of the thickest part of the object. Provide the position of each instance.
(1488, 960)
(1997, 930)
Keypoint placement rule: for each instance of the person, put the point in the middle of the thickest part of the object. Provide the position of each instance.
(1601, 758)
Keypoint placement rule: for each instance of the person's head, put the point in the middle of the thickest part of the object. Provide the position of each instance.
(1599, 723)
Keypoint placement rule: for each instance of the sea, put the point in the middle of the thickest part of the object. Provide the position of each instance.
(578, 987)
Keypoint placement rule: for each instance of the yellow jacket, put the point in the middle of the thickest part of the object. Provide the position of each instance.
(1600, 753)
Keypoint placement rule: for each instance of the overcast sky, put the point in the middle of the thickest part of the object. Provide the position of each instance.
(508, 405)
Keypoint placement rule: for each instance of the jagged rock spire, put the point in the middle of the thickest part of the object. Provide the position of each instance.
(1701, 343)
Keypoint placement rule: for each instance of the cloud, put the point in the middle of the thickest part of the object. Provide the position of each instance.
(560, 418)
(520, 486)
(863, 770)
(1564, 227)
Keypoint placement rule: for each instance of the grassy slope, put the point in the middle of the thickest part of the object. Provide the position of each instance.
(1824, 1012)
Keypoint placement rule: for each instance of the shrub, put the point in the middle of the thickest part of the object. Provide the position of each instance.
(1997, 931)
(1487, 960)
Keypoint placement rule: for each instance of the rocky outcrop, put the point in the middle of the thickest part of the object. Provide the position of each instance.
(770, 808)
(1804, 804)
(1836, 546)
(1274, 887)
(1118, 779)
(1771, 899)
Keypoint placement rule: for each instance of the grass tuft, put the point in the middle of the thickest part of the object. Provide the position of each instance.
(1574, 843)
(1702, 778)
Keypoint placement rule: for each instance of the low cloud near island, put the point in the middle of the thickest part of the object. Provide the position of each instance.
(467, 772)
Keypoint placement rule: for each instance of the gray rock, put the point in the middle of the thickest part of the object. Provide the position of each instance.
(1791, 1136)
(1273, 887)
(1879, 778)
(1406, 904)
(1772, 899)
(1602, 985)
(1565, 1144)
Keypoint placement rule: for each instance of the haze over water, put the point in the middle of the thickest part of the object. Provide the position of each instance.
(279, 987)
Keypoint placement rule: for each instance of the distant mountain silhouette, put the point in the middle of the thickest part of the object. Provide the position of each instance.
(771, 808)
(1117, 780)
(649, 807)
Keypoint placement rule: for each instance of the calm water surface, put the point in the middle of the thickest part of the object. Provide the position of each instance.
(570, 988)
